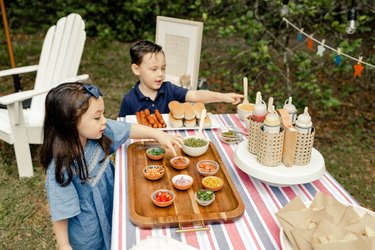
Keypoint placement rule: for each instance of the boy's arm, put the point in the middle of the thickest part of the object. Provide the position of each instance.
(61, 231)
(144, 132)
(207, 96)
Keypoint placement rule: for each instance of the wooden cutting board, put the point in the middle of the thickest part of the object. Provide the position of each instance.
(227, 206)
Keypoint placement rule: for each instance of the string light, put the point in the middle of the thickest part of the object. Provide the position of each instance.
(352, 16)
(285, 9)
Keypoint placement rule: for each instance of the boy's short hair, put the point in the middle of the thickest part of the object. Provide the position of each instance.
(141, 48)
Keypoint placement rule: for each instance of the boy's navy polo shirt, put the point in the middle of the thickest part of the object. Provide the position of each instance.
(134, 100)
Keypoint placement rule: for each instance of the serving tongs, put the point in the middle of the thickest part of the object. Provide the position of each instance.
(201, 123)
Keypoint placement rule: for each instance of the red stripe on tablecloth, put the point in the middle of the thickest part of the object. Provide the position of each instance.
(289, 192)
(120, 201)
(144, 233)
(191, 239)
(234, 236)
(238, 122)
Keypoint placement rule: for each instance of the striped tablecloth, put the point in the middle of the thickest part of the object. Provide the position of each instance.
(258, 228)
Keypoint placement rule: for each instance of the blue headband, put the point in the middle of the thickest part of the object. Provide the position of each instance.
(93, 90)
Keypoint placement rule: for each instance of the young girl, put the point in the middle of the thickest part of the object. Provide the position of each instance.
(78, 140)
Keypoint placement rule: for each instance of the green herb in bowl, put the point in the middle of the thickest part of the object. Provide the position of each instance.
(195, 142)
(155, 153)
(204, 197)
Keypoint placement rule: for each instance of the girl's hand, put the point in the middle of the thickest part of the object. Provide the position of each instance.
(139, 131)
(168, 140)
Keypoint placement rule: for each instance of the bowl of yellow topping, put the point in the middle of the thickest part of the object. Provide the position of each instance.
(213, 183)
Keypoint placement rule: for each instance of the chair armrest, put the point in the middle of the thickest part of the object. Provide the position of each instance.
(27, 94)
(18, 70)
(20, 96)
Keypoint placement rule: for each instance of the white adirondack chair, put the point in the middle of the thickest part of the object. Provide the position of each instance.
(59, 62)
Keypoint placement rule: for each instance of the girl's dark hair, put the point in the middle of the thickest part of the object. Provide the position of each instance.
(64, 106)
(141, 48)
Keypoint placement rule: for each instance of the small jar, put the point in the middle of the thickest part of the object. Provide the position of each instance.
(272, 122)
(303, 122)
(288, 105)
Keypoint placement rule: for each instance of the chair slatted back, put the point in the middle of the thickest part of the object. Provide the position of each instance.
(61, 55)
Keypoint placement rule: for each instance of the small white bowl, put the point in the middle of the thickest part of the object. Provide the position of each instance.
(182, 181)
(203, 202)
(244, 110)
(195, 151)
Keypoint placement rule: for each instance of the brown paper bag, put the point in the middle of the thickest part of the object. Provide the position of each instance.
(365, 244)
(335, 208)
(303, 238)
(291, 214)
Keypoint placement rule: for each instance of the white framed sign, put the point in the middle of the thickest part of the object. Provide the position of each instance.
(181, 41)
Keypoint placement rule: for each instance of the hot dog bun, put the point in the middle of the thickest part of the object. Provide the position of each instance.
(190, 123)
(198, 107)
(175, 123)
(188, 111)
(176, 109)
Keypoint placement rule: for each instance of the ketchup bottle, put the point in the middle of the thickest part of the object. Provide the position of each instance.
(260, 109)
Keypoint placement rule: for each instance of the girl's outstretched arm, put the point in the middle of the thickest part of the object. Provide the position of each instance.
(61, 231)
(167, 140)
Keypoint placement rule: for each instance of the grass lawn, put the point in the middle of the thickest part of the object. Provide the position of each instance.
(25, 222)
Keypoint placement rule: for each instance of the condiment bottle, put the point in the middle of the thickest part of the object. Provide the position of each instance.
(288, 105)
(272, 122)
(260, 109)
(303, 122)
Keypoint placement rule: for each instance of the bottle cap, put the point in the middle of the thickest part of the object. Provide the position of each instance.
(272, 119)
(304, 120)
(289, 106)
(270, 104)
(260, 108)
(258, 97)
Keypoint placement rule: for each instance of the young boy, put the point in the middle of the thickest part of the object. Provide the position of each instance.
(151, 92)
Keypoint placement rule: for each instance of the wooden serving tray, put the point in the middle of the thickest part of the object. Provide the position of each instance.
(227, 206)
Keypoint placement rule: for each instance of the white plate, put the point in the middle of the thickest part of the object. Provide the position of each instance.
(280, 175)
(214, 122)
(285, 243)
